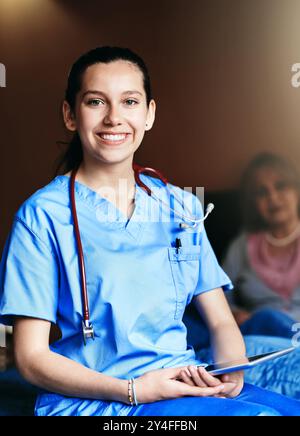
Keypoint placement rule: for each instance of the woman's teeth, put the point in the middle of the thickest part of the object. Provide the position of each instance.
(112, 137)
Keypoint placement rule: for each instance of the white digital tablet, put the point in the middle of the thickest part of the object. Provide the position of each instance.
(246, 362)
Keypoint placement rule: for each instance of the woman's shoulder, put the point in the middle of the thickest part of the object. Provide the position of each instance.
(44, 203)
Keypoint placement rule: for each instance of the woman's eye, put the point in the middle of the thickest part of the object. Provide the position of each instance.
(95, 102)
(281, 186)
(131, 102)
(261, 193)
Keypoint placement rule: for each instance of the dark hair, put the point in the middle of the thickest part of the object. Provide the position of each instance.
(73, 156)
(251, 218)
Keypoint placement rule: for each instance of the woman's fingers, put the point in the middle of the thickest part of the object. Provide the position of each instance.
(205, 378)
(192, 377)
(195, 375)
(196, 391)
(196, 381)
(171, 373)
(208, 378)
(185, 376)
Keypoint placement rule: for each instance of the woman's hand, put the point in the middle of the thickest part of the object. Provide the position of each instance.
(236, 379)
(167, 383)
(197, 376)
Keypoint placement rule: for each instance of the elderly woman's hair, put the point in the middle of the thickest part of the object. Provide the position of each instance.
(251, 218)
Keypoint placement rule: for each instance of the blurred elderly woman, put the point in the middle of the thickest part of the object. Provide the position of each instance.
(264, 261)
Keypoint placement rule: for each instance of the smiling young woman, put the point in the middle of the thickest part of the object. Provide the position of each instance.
(110, 113)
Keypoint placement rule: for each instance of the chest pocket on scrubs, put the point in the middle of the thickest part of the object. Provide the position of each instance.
(185, 267)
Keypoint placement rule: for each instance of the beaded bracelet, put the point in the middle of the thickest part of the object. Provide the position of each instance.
(130, 399)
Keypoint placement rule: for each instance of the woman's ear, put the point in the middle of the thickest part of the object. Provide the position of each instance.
(69, 118)
(150, 115)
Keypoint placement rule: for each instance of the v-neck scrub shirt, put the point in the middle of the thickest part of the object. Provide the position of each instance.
(138, 282)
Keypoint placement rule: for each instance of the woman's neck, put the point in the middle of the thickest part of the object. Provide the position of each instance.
(99, 176)
(283, 239)
(285, 229)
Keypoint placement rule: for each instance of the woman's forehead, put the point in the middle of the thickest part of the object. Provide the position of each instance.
(117, 76)
(271, 176)
(269, 173)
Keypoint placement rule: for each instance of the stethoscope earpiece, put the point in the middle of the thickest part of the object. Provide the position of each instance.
(209, 209)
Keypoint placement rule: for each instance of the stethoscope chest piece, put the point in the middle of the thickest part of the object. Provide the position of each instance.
(88, 331)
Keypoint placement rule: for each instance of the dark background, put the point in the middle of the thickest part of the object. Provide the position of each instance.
(221, 73)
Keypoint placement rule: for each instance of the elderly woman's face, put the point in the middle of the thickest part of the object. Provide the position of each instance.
(276, 200)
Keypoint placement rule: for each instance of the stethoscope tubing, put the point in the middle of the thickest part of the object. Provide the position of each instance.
(88, 331)
(189, 217)
(85, 300)
(138, 170)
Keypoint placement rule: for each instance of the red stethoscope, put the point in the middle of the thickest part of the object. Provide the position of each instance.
(87, 327)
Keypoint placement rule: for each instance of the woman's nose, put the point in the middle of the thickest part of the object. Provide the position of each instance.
(113, 116)
(273, 195)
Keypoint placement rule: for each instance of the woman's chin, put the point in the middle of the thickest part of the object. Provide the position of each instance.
(114, 158)
(275, 222)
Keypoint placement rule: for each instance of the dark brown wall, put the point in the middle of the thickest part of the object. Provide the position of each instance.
(221, 72)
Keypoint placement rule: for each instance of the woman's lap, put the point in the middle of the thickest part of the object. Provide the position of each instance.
(252, 401)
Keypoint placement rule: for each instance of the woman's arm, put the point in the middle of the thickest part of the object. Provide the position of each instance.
(227, 341)
(226, 338)
(56, 373)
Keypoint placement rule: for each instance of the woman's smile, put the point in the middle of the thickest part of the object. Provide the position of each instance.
(113, 138)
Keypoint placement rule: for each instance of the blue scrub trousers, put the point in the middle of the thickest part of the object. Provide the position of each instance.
(252, 401)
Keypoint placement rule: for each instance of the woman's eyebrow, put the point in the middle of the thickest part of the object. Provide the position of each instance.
(97, 92)
(132, 92)
(92, 91)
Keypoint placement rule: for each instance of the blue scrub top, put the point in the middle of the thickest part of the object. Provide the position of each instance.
(138, 284)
